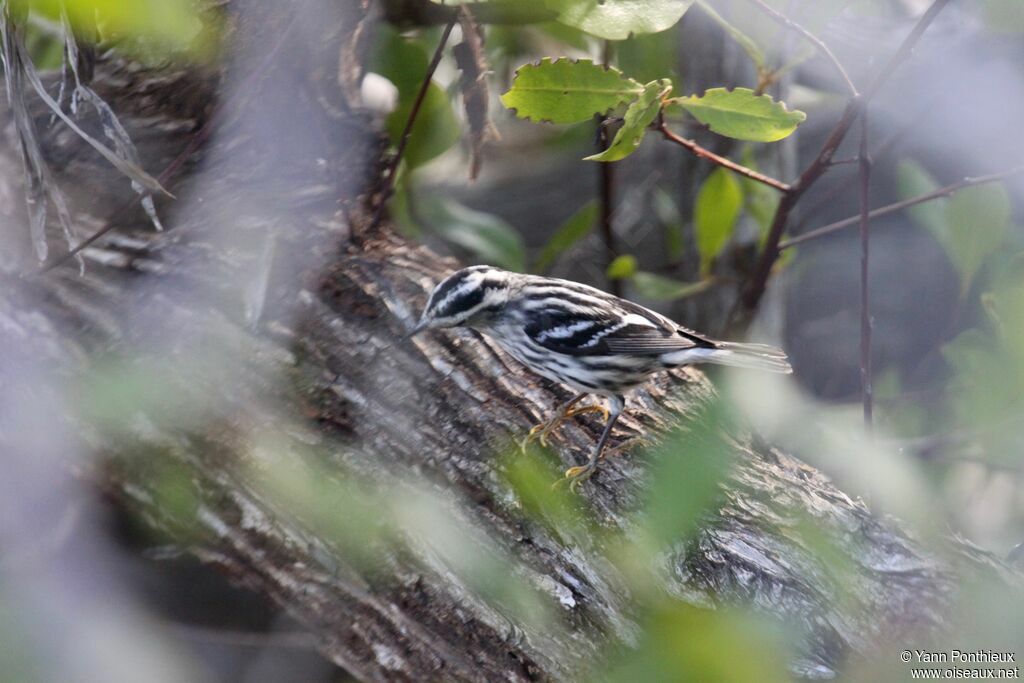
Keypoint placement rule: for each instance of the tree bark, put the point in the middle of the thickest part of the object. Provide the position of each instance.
(308, 309)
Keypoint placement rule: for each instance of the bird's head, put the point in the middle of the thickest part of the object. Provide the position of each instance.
(466, 298)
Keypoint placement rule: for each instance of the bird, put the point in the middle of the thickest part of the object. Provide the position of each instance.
(579, 336)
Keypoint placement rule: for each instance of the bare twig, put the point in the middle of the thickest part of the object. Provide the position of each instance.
(817, 42)
(392, 169)
(752, 294)
(883, 149)
(722, 161)
(865, 253)
(946, 191)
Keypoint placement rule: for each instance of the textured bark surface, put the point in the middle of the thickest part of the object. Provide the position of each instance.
(323, 351)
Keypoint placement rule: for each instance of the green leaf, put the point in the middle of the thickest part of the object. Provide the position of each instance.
(970, 225)
(653, 286)
(913, 181)
(403, 61)
(172, 24)
(761, 201)
(978, 219)
(649, 57)
(634, 126)
(714, 215)
(436, 128)
(671, 222)
(504, 12)
(483, 234)
(741, 114)
(573, 230)
(619, 19)
(622, 267)
(566, 91)
(1002, 16)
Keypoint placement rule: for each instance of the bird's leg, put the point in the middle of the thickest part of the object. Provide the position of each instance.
(576, 475)
(564, 412)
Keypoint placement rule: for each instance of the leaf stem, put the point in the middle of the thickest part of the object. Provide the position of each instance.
(707, 154)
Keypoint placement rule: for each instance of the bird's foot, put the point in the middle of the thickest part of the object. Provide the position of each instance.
(575, 476)
(627, 445)
(541, 432)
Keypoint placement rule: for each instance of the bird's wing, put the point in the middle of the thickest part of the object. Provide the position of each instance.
(616, 330)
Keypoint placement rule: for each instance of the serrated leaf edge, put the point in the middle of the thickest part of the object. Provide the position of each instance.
(572, 60)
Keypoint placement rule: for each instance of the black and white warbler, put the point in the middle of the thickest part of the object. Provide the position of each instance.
(592, 341)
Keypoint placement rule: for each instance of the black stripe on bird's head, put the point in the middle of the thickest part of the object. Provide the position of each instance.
(467, 297)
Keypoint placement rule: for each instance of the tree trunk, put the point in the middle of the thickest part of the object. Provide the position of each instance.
(278, 309)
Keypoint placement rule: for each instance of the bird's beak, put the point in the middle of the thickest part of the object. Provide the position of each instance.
(420, 326)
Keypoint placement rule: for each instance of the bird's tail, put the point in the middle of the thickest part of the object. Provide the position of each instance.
(755, 356)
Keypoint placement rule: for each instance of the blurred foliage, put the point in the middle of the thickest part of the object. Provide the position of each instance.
(151, 30)
(622, 267)
(1002, 16)
(619, 19)
(687, 644)
(639, 115)
(367, 522)
(718, 205)
(578, 226)
(484, 236)
(742, 114)
(970, 225)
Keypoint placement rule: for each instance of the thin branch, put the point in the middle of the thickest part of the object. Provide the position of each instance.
(606, 184)
(817, 42)
(946, 191)
(392, 169)
(905, 50)
(865, 253)
(882, 150)
(722, 161)
(752, 294)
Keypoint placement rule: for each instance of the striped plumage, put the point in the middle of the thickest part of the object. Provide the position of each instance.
(592, 341)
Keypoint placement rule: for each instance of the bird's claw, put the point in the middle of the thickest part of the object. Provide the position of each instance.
(575, 476)
(542, 431)
(579, 474)
(595, 408)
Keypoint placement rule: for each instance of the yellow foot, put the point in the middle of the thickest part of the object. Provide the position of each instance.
(577, 475)
(541, 432)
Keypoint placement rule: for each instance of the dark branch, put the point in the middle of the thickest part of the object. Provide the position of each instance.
(390, 174)
(946, 191)
(752, 294)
